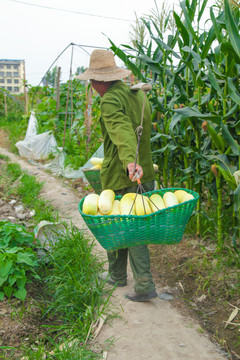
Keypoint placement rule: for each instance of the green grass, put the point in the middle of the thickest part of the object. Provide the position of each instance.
(73, 280)
(15, 128)
(72, 296)
(4, 157)
(14, 183)
(75, 298)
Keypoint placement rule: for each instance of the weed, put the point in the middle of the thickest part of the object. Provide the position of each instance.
(29, 189)
(4, 157)
(73, 279)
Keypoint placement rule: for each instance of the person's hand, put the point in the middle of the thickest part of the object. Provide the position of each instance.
(131, 172)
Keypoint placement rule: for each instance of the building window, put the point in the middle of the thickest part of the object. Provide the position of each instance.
(15, 67)
(9, 81)
(16, 88)
(9, 73)
(9, 88)
(2, 73)
(1, 81)
(2, 87)
(16, 73)
(16, 81)
(8, 66)
(1, 66)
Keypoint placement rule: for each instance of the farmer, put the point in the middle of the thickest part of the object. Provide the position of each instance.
(121, 110)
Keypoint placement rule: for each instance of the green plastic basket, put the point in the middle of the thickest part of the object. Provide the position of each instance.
(165, 226)
(93, 177)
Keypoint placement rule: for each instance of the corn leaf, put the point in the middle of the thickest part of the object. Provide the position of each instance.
(236, 197)
(202, 9)
(231, 111)
(232, 91)
(208, 42)
(131, 66)
(216, 138)
(192, 112)
(216, 26)
(232, 28)
(230, 140)
(229, 178)
(181, 28)
(231, 317)
(188, 21)
(195, 55)
(214, 82)
(228, 50)
(166, 47)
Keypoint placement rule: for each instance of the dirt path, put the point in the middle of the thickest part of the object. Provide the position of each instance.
(153, 330)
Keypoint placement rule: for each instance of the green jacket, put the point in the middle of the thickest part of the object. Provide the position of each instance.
(121, 110)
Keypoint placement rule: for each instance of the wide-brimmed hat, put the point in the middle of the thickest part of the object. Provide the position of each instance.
(102, 67)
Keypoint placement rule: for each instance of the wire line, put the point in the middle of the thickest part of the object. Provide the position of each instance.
(71, 11)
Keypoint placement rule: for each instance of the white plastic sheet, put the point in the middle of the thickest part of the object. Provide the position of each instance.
(57, 166)
(39, 146)
(36, 146)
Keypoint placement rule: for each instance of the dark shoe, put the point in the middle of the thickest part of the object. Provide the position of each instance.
(106, 277)
(142, 297)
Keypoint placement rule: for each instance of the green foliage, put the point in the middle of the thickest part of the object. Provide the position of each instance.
(72, 280)
(195, 99)
(29, 189)
(17, 258)
(15, 129)
(68, 123)
(14, 104)
(50, 77)
(13, 170)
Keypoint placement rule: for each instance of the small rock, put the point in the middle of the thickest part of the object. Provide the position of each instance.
(201, 298)
(12, 202)
(182, 345)
(166, 296)
(19, 208)
(11, 218)
(32, 213)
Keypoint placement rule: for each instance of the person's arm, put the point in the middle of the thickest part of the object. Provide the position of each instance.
(120, 130)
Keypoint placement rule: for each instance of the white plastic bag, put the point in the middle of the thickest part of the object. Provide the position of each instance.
(36, 146)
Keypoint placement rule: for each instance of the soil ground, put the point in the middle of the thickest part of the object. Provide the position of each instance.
(190, 326)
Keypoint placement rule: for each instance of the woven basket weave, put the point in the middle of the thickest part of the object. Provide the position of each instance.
(165, 226)
(93, 177)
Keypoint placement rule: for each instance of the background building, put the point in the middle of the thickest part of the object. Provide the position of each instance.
(12, 75)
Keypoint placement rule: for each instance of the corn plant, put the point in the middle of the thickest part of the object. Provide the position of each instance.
(195, 98)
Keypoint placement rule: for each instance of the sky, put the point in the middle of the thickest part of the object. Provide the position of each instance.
(38, 31)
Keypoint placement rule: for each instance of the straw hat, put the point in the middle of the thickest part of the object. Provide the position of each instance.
(102, 67)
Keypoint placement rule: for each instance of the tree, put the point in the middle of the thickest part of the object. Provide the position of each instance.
(79, 70)
(50, 78)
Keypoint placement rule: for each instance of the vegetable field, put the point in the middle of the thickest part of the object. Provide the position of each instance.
(195, 100)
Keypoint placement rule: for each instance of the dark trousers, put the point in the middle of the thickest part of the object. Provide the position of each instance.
(138, 257)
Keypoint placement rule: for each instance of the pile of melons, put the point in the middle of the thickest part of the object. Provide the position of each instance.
(131, 203)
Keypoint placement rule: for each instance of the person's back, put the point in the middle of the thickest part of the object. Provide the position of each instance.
(121, 111)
